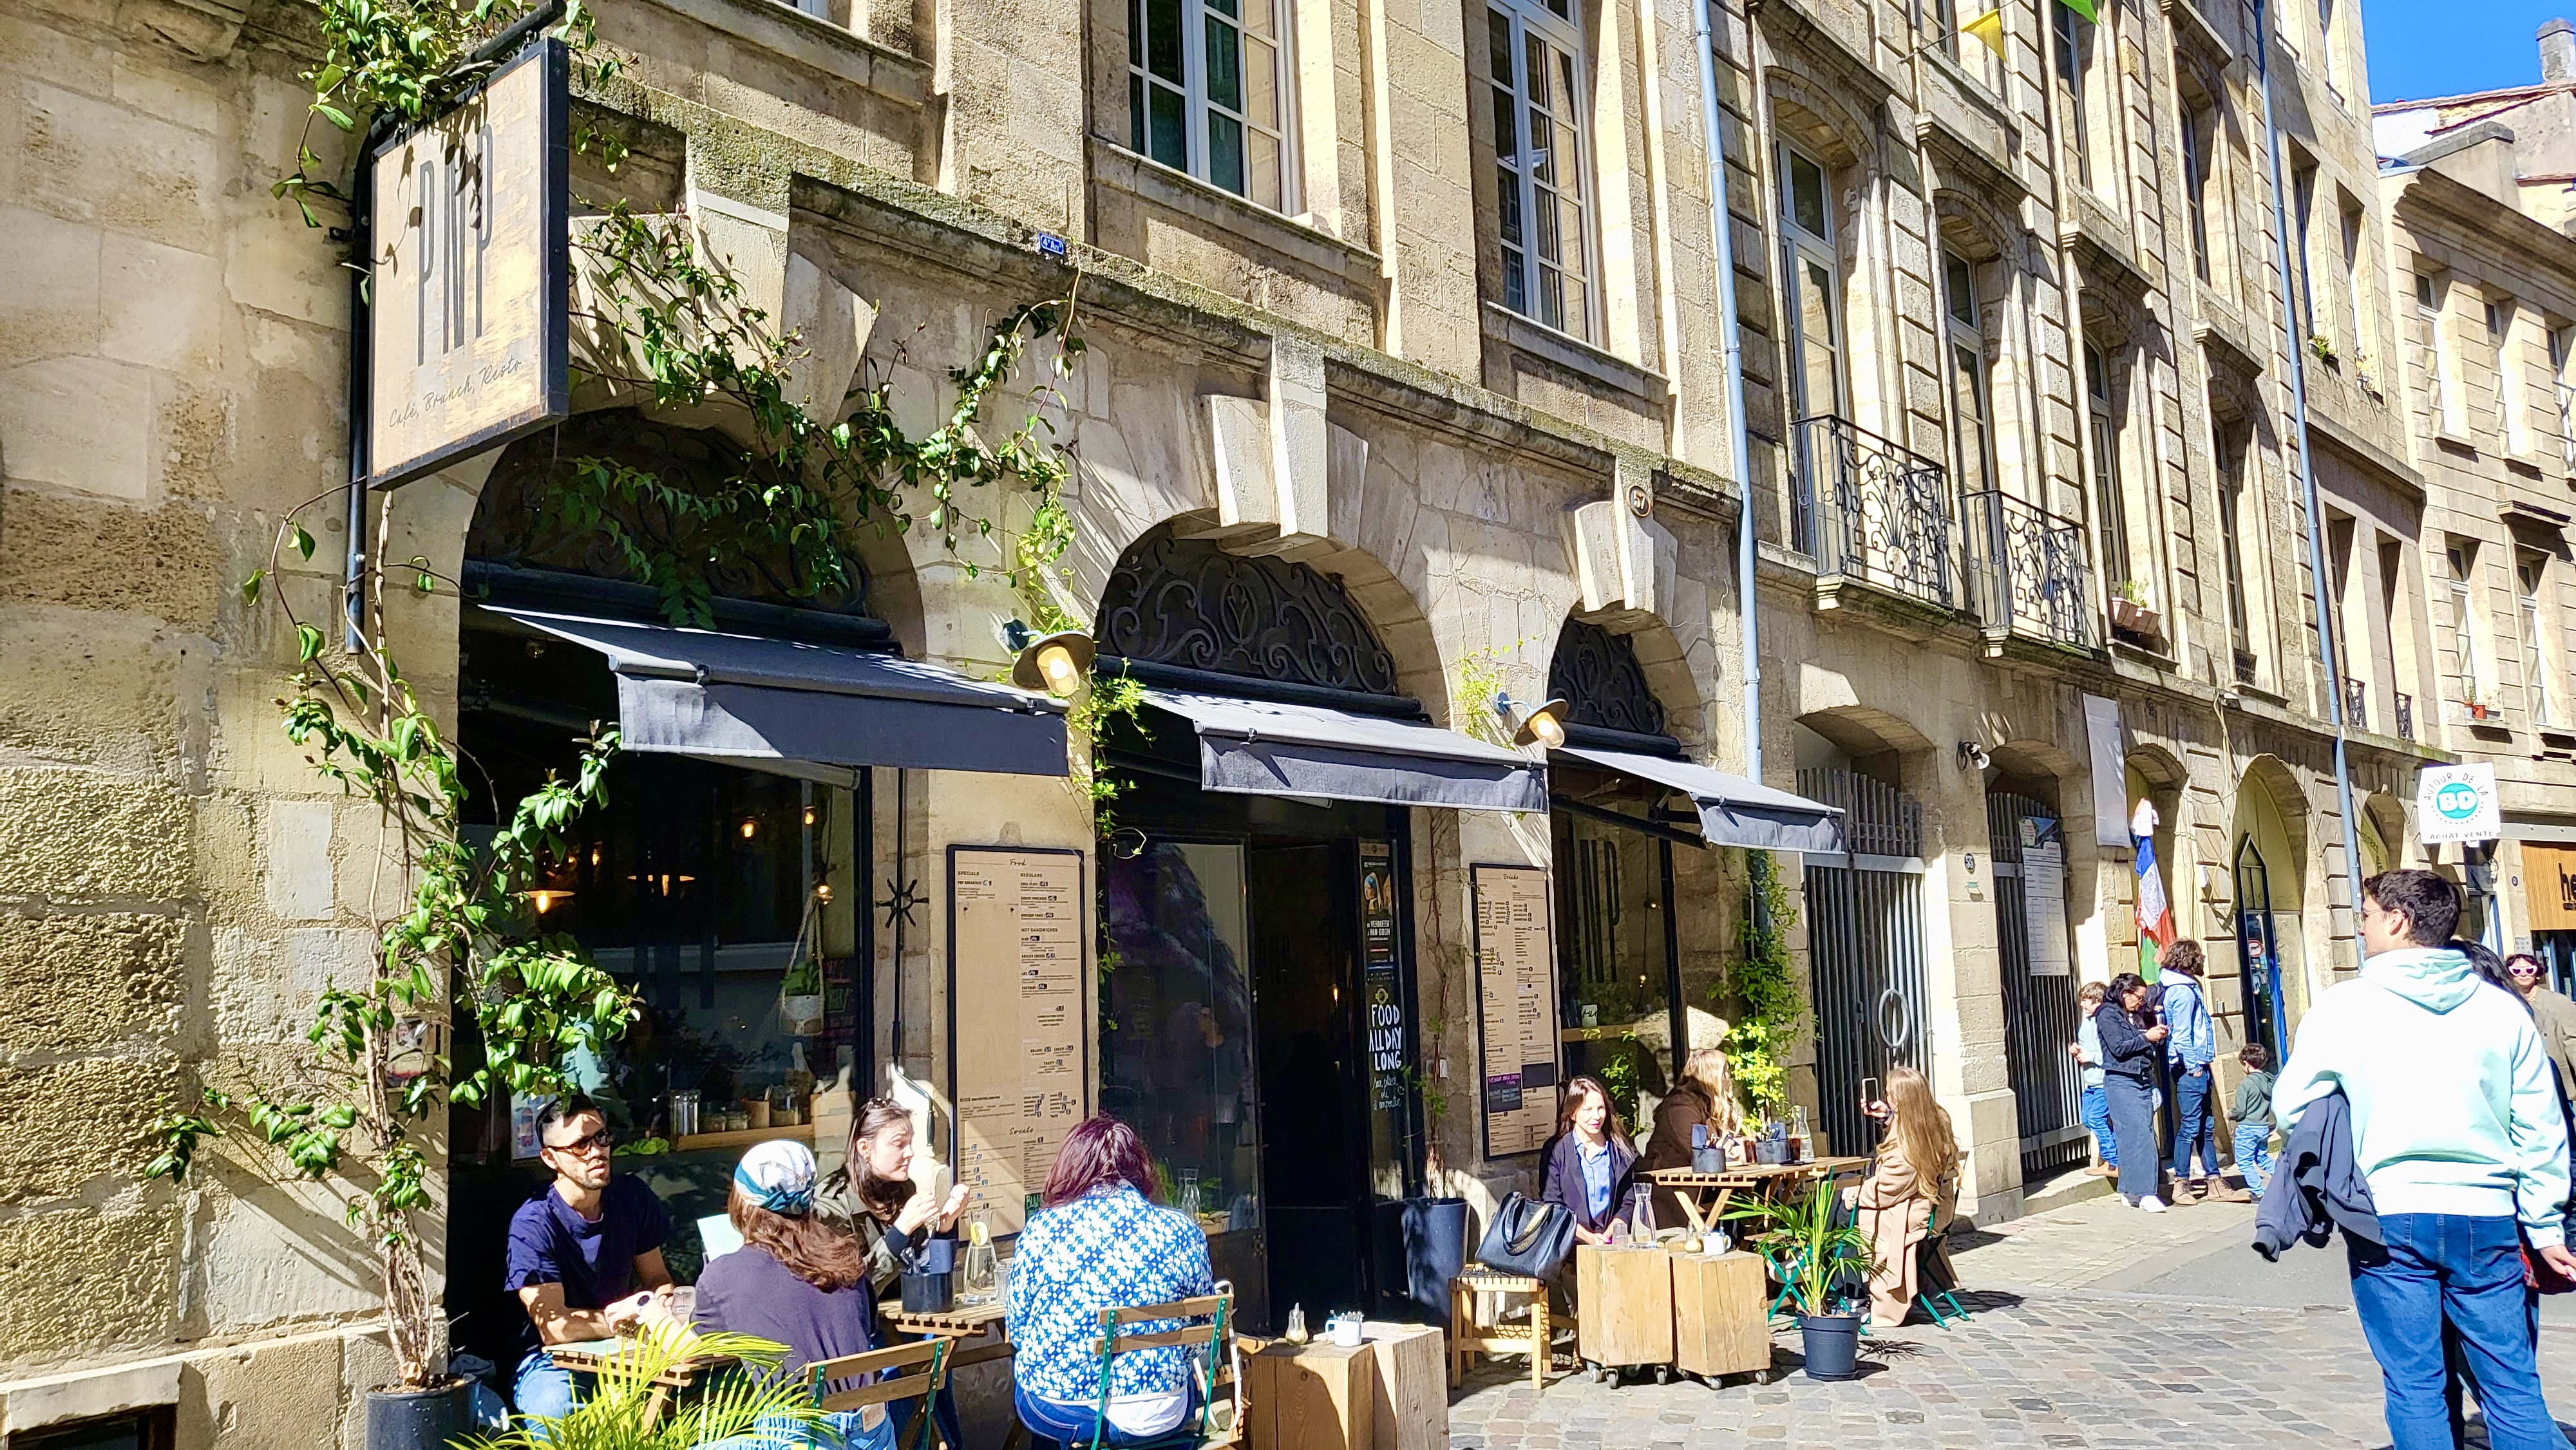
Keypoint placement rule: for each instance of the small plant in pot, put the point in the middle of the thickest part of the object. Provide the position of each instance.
(1818, 1256)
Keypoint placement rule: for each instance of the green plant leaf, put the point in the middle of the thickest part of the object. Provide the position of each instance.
(308, 642)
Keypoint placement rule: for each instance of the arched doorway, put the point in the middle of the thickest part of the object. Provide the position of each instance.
(2265, 869)
(1257, 1010)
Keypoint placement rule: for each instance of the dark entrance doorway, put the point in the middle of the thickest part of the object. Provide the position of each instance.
(1305, 939)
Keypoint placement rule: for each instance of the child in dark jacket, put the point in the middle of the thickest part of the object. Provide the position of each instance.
(2254, 1118)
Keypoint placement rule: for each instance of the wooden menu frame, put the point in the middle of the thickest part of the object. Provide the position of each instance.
(1527, 1124)
(992, 978)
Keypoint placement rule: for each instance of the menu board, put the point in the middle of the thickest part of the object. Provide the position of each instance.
(1515, 1007)
(1018, 1076)
(1384, 982)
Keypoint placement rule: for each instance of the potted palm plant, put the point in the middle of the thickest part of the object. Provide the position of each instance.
(631, 1407)
(1817, 1255)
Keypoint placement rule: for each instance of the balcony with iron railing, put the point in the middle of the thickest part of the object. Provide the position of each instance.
(2405, 717)
(1867, 510)
(2028, 571)
(2356, 704)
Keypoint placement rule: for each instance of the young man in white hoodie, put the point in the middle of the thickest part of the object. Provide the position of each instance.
(2457, 1131)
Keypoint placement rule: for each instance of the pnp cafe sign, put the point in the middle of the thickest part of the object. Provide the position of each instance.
(469, 283)
(2456, 803)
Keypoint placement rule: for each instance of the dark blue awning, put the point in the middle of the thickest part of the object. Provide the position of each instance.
(1733, 811)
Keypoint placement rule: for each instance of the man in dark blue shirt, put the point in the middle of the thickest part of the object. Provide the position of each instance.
(580, 1251)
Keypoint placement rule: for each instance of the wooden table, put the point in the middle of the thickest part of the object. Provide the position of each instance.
(1721, 1314)
(1689, 1185)
(597, 1356)
(985, 1323)
(1624, 1295)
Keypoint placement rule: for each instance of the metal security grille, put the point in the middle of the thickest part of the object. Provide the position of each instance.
(2040, 1015)
(1865, 949)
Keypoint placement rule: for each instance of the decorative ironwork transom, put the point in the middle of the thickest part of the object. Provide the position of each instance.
(521, 521)
(1597, 672)
(1188, 603)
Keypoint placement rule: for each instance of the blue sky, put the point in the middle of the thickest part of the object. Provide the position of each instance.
(2424, 48)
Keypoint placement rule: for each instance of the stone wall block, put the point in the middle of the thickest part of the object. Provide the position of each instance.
(84, 1280)
(832, 322)
(90, 983)
(72, 834)
(70, 1124)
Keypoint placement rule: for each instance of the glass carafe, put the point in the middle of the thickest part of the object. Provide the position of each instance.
(978, 1275)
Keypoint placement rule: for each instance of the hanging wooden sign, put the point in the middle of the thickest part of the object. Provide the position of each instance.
(465, 324)
(1019, 1075)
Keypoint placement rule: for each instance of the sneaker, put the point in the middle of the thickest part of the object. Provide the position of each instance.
(2222, 1192)
(2152, 1204)
(2104, 1170)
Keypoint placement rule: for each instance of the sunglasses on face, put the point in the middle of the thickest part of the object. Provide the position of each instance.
(599, 1142)
(2524, 971)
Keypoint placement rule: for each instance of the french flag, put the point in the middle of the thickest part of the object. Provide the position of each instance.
(2155, 914)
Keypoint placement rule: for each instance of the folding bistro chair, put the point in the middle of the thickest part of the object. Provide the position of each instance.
(1936, 1282)
(916, 1370)
(1210, 1423)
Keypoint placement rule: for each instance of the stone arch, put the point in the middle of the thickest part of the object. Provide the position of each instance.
(2037, 768)
(2382, 816)
(1817, 117)
(1878, 743)
(1354, 626)
(1655, 652)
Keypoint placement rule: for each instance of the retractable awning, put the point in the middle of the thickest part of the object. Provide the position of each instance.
(1258, 747)
(1733, 811)
(799, 709)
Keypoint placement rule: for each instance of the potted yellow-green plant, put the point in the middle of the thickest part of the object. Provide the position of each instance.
(1819, 1258)
(746, 1403)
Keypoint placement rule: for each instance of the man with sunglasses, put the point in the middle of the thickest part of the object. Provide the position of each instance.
(2555, 1015)
(580, 1251)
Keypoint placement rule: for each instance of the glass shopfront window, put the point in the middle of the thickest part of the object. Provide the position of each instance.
(1620, 1003)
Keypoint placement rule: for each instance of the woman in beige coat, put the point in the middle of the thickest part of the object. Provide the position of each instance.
(1916, 1176)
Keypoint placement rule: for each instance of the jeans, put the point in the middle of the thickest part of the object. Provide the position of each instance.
(541, 1388)
(2254, 1155)
(2133, 1120)
(2097, 1120)
(2445, 1267)
(1052, 1423)
(2192, 1127)
(840, 1430)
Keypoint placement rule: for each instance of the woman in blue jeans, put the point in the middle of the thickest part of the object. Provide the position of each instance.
(2130, 1054)
(2096, 1110)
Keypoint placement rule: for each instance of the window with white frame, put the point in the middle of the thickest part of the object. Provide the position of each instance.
(1972, 441)
(2303, 208)
(2073, 39)
(1539, 164)
(1207, 92)
(2329, 52)
(2198, 126)
(1814, 271)
(2512, 423)
(2356, 284)
(2112, 500)
(2433, 356)
(2530, 577)
(2231, 542)
(2562, 356)
(2467, 676)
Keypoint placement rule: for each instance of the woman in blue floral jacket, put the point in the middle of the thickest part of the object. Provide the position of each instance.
(1100, 1242)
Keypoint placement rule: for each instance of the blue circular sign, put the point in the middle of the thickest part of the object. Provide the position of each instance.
(2457, 801)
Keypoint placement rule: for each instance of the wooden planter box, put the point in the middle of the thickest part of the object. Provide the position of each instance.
(1623, 1305)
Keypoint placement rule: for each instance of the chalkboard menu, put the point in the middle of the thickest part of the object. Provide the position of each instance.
(1515, 1007)
(1018, 1075)
(1384, 980)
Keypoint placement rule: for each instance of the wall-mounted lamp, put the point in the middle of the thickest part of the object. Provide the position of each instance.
(544, 900)
(1973, 756)
(1050, 662)
(1543, 723)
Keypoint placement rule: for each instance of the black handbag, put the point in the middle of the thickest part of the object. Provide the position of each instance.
(1527, 1238)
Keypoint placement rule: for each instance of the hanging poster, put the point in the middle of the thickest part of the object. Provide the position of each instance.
(2043, 894)
(1019, 1078)
(1382, 983)
(1515, 1006)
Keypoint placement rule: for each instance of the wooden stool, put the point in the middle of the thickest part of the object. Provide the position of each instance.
(1466, 1340)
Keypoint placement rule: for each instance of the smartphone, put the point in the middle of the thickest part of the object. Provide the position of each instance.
(1869, 1092)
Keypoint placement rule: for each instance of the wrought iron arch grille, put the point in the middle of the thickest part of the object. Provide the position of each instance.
(1598, 672)
(522, 522)
(1188, 603)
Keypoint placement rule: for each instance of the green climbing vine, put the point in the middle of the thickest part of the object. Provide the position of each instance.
(1772, 1015)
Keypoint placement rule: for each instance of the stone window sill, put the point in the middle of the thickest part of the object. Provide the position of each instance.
(801, 36)
(1134, 174)
(1574, 355)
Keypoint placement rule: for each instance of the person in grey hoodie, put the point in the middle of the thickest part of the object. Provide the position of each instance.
(2457, 1133)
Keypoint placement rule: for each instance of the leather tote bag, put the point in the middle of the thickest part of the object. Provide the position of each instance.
(1527, 1238)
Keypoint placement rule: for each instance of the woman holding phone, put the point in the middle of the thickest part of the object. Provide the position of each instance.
(2131, 1053)
(1913, 1180)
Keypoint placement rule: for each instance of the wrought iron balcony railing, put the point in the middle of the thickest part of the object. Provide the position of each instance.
(2405, 717)
(2356, 703)
(2027, 570)
(1869, 510)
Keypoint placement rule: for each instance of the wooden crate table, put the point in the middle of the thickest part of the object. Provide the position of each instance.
(1411, 1406)
(1314, 1396)
(1705, 1196)
(1625, 1295)
(978, 1329)
(1721, 1314)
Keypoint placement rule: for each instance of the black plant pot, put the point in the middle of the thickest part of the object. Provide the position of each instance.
(1832, 1344)
(927, 1294)
(420, 1419)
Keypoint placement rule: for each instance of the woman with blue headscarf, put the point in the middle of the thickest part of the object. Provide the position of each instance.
(796, 1279)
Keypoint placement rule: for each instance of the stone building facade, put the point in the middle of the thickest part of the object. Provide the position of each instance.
(1406, 311)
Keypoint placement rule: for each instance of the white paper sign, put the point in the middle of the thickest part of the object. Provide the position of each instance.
(2043, 896)
(2456, 803)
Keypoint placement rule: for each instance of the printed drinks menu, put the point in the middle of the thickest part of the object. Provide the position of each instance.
(1516, 1007)
(1020, 1081)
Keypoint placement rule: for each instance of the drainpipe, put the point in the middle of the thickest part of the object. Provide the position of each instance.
(2282, 220)
(1722, 227)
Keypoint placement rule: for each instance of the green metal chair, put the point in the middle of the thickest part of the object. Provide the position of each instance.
(1212, 1422)
(1936, 1287)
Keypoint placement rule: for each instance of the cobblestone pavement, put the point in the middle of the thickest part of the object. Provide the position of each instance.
(2056, 1360)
